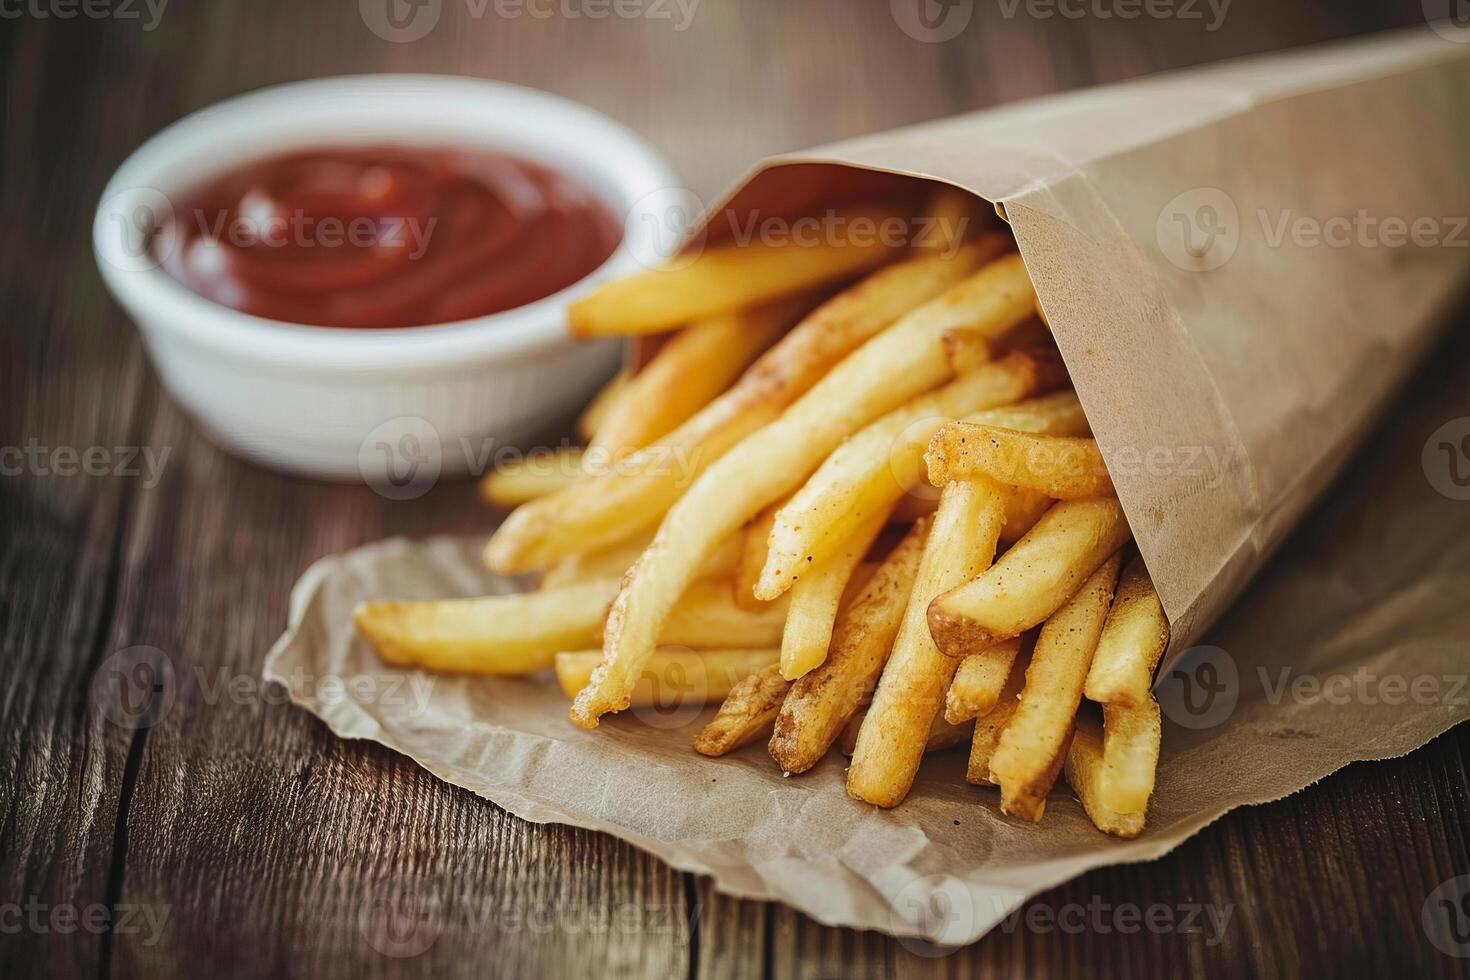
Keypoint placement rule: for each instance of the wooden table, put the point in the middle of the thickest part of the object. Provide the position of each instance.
(263, 838)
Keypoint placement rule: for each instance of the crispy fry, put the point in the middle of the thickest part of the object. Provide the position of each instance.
(893, 367)
(1133, 640)
(731, 276)
(707, 618)
(613, 562)
(688, 372)
(671, 677)
(753, 538)
(1033, 745)
(979, 681)
(912, 689)
(530, 477)
(1031, 580)
(942, 735)
(815, 600)
(821, 701)
(602, 403)
(610, 508)
(872, 470)
(1131, 738)
(747, 714)
(498, 634)
(990, 725)
(1062, 467)
(1085, 773)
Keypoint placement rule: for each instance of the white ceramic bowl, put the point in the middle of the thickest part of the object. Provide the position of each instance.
(395, 407)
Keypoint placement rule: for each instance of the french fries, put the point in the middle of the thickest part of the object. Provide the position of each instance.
(722, 556)
(815, 599)
(747, 714)
(1086, 770)
(1033, 745)
(1031, 580)
(731, 276)
(821, 701)
(688, 372)
(1133, 639)
(874, 468)
(912, 689)
(531, 477)
(979, 681)
(1061, 467)
(612, 507)
(671, 678)
(899, 363)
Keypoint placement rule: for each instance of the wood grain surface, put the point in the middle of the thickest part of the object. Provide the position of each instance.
(230, 835)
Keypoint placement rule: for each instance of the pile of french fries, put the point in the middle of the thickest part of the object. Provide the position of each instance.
(889, 529)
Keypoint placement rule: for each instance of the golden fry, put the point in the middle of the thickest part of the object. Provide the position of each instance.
(1033, 579)
(816, 598)
(1131, 737)
(1085, 773)
(601, 405)
(979, 681)
(535, 475)
(753, 537)
(991, 724)
(671, 677)
(1133, 639)
(1061, 467)
(746, 715)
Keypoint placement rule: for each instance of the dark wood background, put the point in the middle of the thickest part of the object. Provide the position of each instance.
(263, 837)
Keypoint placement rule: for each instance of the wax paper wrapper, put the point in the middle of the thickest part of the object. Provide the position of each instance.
(1245, 267)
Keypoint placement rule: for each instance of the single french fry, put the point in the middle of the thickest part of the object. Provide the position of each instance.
(1033, 745)
(633, 496)
(1033, 579)
(1131, 737)
(753, 538)
(815, 600)
(979, 681)
(1062, 467)
(1133, 639)
(876, 466)
(950, 215)
(896, 365)
(820, 702)
(1023, 509)
(690, 370)
(601, 405)
(500, 634)
(991, 724)
(912, 688)
(671, 677)
(746, 715)
(530, 477)
(1085, 774)
(731, 276)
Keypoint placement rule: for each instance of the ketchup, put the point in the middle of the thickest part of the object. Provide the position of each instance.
(385, 236)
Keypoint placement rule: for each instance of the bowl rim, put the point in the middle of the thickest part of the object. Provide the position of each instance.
(156, 300)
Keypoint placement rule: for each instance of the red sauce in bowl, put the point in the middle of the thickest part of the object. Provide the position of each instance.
(384, 237)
